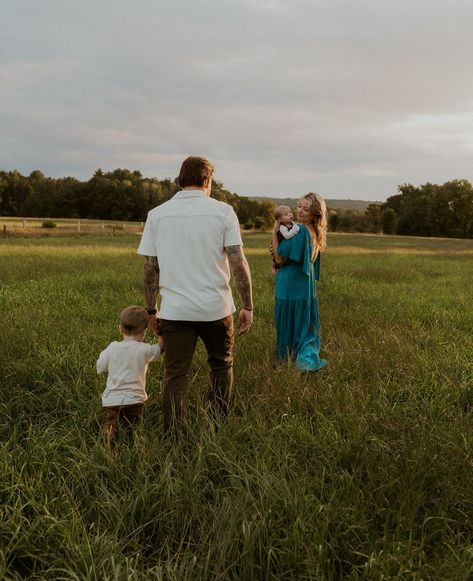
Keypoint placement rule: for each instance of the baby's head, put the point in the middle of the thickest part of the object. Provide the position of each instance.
(134, 322)
(283, 214)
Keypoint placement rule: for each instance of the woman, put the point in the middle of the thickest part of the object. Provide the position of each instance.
(296, 311)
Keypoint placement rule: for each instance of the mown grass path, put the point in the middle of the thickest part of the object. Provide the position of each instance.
(363, 471)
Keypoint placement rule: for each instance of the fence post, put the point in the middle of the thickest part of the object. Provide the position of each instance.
(4, 229)
(78, 225)
(24, 224)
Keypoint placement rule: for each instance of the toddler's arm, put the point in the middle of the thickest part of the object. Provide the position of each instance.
(289, 233)
(156, 349)
(102, 362)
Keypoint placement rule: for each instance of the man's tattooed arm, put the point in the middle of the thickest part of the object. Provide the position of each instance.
(151, 281)
(241, 274)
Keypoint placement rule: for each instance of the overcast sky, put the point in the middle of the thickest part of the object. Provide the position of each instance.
(349, 98)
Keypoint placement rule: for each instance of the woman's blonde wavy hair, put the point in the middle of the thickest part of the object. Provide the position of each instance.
(319, 213)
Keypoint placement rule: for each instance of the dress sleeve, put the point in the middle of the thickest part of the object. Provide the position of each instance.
(297, 249)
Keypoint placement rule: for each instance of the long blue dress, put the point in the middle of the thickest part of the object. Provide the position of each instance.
(296, 311)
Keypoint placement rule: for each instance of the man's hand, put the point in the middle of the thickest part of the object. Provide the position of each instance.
(245, 320)
(154, 324)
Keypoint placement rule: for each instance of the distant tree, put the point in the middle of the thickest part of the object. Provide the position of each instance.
(333, 221)
(459, 200)
(15, 189)
(373, 218)
(120, 194)
(434, 210)
(265, 212)
(260, 222)
(346, 222)
(389, 221)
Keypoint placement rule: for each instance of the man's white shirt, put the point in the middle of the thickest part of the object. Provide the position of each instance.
(188, 235)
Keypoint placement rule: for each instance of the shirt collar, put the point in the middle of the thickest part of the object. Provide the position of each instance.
(190, 194)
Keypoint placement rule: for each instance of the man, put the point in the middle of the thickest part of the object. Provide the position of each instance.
(190, 244)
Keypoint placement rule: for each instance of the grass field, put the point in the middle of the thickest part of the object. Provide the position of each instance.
(363, 471)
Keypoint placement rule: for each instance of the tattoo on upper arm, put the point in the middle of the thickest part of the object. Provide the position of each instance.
(232, 250)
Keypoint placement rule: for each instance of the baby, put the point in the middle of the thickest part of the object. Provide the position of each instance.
(126, 363)
(287, 228)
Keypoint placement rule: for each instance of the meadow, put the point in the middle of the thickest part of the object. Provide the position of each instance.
(362, 471)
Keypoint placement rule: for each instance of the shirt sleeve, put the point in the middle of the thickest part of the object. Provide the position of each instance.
(153, 352)
(288, 234)
(102, 362)
(147, 245)
(232, 232)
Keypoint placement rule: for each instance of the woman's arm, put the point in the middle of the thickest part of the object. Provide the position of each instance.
(275, 243)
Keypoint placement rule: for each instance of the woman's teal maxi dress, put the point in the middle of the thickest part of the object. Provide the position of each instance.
(296, 311)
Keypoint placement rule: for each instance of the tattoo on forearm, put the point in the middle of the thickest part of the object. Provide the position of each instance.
(241, 274)
(151, 281)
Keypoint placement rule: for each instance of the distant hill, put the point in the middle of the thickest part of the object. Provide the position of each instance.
(354, 205)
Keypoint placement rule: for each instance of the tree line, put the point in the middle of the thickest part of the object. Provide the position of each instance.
(443, 210)
(428, 210)
(116, 195)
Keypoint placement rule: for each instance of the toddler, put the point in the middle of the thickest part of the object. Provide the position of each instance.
(126, 363)
(287, 228)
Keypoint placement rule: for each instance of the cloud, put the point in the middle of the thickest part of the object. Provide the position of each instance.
(350, 99)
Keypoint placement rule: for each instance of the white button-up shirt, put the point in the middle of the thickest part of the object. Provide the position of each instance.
(188, 235)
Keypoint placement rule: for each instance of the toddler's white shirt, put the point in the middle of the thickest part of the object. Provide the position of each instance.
(126, 363)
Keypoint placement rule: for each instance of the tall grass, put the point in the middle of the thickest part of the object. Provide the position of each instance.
(362, 471)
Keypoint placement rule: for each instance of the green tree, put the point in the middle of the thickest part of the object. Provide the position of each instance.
(333, 221)
(373, 218)
(434, 210)
(389, 221)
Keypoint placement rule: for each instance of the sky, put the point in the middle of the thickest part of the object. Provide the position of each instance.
(349, 98)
